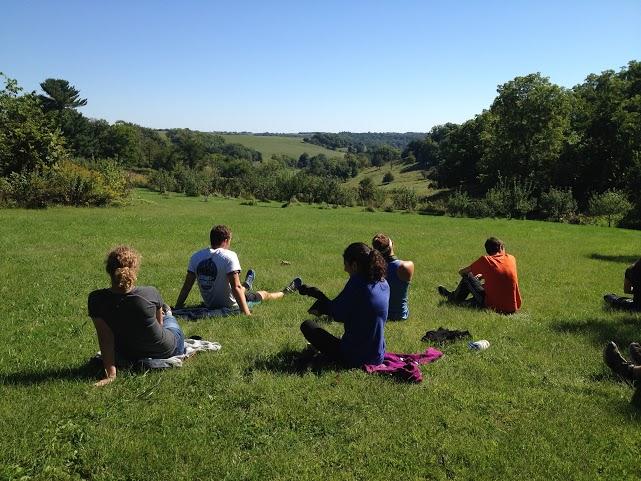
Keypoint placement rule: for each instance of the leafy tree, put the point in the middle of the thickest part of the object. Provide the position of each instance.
(28, 139)
(388, 177)
(383, 154)
(525, 131)
(612, 204)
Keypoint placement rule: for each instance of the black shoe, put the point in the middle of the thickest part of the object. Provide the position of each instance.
(635, 353)
(444, 292)
(293, 286)
(615, 361)
(249, 279)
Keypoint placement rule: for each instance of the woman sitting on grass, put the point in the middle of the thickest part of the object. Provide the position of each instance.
(361, 306)
(132, 323)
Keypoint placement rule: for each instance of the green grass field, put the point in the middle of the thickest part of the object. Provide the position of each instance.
(273, 144)
(538, 404)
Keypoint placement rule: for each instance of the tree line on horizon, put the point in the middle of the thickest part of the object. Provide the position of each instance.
(539, 151)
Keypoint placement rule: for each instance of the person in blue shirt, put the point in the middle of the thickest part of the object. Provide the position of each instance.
(399, 276)
(361, 306)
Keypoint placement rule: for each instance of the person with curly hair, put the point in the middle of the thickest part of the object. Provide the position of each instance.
(131, 322)
(361, 306)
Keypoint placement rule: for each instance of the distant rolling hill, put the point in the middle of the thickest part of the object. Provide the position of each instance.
(405, 175)
(275, 144)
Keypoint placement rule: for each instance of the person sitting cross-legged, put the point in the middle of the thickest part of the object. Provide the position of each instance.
(500, 288)
(361, 306)
(631, 285)
(217, 270)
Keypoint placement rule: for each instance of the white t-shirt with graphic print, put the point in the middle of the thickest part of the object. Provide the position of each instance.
(211, 267)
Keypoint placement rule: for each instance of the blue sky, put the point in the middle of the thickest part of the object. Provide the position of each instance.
(308, 66)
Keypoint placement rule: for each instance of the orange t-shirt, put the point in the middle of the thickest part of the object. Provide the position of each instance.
(501, 281)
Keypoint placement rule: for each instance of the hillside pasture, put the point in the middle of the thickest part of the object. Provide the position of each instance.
(538, 404)
(274, 144)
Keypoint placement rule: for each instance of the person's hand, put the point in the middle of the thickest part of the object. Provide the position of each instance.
(310, 291)
(105, 381)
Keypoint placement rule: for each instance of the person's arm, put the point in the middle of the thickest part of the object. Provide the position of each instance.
(476, 268)
(107, 350)
(406, 271)
(238, 291)
(190, 278)
(342, 306)
(465, 270)
(159, 315)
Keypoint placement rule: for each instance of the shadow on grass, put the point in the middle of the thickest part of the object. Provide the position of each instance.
(86, 372)
(608, 258)
(600, 331)
(288, 361)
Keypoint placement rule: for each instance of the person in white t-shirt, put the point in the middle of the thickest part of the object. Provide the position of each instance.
(217, 270)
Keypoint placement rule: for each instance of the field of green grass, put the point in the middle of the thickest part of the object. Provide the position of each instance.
(404, 176)
(538, 404)
(273, 144)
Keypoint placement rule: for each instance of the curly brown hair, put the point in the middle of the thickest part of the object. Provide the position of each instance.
(122, 265)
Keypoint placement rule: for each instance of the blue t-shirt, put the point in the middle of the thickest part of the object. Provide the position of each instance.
(362, 308)
(398, 304)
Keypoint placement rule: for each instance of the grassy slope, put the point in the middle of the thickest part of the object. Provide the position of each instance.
(268, 145)
(404, 176)
(537, 405)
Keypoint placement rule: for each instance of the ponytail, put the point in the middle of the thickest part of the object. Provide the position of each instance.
(377, 266)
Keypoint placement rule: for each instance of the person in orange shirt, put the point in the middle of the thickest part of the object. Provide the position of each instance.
(500, 287)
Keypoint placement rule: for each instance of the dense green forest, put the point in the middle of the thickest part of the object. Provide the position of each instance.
(539, 151)
(362, 141)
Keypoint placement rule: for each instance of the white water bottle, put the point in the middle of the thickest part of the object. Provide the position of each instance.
(481, 345)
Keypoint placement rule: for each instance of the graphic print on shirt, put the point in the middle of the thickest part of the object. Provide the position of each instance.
(206, 271)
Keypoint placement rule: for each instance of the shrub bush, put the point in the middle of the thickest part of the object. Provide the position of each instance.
(458, 204)
(388, 177)
(404, 198)
(67, 183)
(557, 204)
(611, 204)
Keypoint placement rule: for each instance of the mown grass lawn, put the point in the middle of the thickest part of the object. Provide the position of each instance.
(538, 404)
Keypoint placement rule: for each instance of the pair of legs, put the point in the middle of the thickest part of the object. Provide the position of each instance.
(469, 285)
(322, 340)
(630, 370)
(256, 297)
